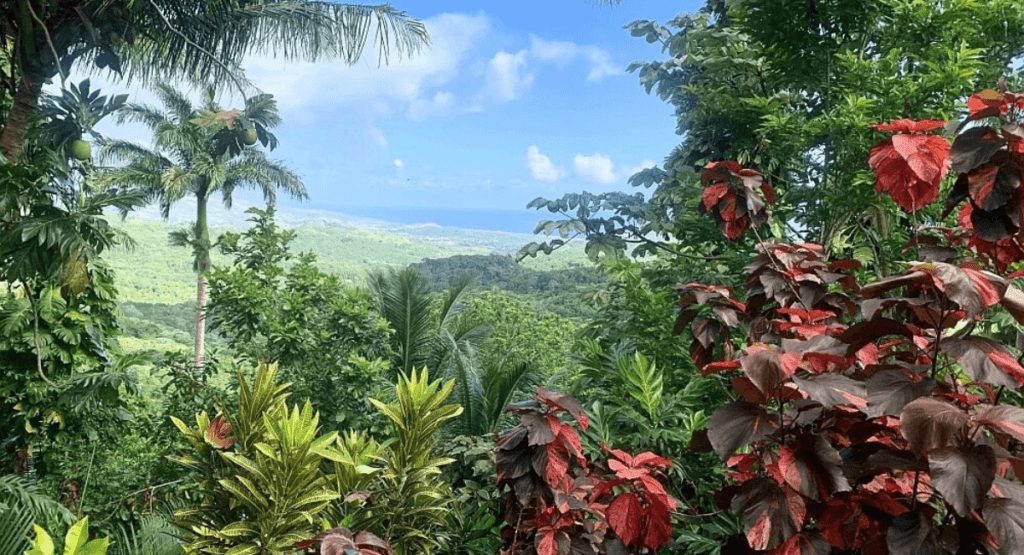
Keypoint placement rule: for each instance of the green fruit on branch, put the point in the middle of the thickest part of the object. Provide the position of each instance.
(81, 150)
(249, 137)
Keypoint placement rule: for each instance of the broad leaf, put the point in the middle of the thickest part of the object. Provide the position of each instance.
(963, 477)
(1003, 418)
(626, 518)
(804, 543)
(738, 424)
(985, 360)
(929, 423)
(771, 514)
(912, 533)
(833, 389)
(1005, 520)
(891, 390)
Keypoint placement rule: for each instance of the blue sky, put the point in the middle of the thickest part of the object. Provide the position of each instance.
(514, 100)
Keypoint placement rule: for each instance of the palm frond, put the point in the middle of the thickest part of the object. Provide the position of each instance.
(502, 384)
(403, 299)
(213, 39)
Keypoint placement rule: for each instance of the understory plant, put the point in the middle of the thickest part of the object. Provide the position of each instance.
(873, 418)
(408, 501)
(559, 502)
(258, 471)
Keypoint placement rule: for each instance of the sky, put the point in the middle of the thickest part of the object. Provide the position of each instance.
(513, 100)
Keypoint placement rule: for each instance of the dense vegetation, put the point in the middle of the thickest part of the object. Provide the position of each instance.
(767, 372)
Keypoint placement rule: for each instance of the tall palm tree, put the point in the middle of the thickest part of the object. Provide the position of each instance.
(153, 40)
(189, 159)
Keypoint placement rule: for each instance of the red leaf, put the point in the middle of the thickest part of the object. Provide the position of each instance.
(659, 525)
(713, 194)
(804, 543)
(625, 516)
(546, 542)
(987, 99)
(716, 367)
(909, 125)
(216, 434)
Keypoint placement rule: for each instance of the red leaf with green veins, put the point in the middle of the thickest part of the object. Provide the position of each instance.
(1005, 419)
(626, 518)
(985, 360)
(929, 423)
(737, 424)
(963, 477)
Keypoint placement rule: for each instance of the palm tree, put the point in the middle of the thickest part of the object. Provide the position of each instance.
(444, 339)
(153, 40)
(191, 160)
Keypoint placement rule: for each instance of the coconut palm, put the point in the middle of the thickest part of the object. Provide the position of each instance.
(189, 159)
(154, 40)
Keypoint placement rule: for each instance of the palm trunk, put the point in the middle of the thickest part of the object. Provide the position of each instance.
(17, 121)
(202, 263)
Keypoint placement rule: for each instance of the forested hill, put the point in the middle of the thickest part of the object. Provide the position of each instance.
(502, 272)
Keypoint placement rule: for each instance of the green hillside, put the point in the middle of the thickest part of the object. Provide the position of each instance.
(155, 272)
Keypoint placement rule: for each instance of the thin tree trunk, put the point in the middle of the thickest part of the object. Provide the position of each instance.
(17, 122)
(200, 320)
(202, 263)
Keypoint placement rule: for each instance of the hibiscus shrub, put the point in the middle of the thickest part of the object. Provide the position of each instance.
(869, 417)
(561, 503)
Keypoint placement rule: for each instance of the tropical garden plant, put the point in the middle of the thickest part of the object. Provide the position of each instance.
(884, 410)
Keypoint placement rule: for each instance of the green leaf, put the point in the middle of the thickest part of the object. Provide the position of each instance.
(42, 544)
(76, 537)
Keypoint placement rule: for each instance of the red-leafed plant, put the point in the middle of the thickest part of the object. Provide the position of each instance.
(341, 541)
(869, 418)
(561, 503)
(730, 195)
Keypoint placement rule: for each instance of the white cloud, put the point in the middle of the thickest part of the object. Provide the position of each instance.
(378, 137)
(306, 91)
(558, 51)
(399, 164)
(563, 52)
(440, 105)
(596, 168)
(505, 78)
(541, 167)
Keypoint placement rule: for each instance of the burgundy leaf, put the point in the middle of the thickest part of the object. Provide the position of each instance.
(963, 477)
(974, 147)
(771, 515)
(832, 389)
(563, 402)
(974, 291)
(217, 434)
(738, 424)
(890, 390)
(929, 423)
(912, 533)
(985, 360)
(706, 331)
(813, 467)
(1005, 520)
(767, 367)
(860, 334)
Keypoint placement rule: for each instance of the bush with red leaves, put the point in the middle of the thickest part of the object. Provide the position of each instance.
(560, 503)
(869, 418)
